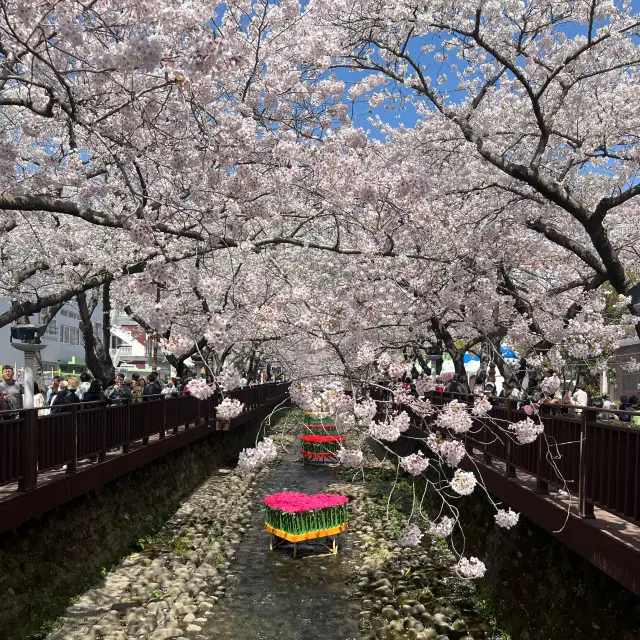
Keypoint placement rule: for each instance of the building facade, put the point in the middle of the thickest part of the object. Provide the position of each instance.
(627, 381)
(64, 352)
(130, 348)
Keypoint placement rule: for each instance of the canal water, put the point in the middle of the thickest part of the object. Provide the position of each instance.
(271, 596)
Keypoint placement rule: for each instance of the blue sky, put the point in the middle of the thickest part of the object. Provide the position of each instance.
(397, 115)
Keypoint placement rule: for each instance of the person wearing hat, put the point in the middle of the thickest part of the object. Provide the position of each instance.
(69, 398)
(10, 391)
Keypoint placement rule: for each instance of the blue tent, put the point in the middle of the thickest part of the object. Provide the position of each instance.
(505, 351)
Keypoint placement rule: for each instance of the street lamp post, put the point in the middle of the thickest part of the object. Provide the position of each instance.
(30, 335)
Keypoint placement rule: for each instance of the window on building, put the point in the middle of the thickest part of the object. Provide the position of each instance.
(72, 336)
(52, 328)
(61, 333)
(67, 335)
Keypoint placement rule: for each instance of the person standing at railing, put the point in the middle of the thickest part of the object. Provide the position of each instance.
(171, 389)
(38, 399)
(85, 383)
(118, 393)
(70, 397)
(152, 388)
(567, 402)
(94, 394)
(138, 388)
(580, 399)
(455, 385)
(53, 390)
(10, 390)
(60, 393)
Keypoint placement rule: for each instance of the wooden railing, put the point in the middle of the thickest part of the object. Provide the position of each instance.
(32, 444)
(596, 460)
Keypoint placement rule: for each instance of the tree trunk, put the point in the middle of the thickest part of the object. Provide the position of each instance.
(97, 355)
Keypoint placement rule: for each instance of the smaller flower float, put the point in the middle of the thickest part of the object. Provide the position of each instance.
(318, 447)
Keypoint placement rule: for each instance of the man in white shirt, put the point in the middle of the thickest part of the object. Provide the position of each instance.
(85, 383)
(580, 398)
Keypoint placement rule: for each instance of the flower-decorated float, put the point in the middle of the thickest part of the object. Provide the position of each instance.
(320, 447)
(297, 517)
(319, 424)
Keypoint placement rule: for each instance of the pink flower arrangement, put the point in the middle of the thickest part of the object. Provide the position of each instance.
(293, 502)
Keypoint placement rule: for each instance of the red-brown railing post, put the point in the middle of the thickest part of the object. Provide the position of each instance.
(585, 509)
(541, 485)
(509, 470)
(127, 445)
(146, 422)
(72, 466)
(186, 422)
(29, 451)
(102, 412)
(161, 435)
(177, 412)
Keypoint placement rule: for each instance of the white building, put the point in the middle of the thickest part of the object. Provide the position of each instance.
(131, 348)
(64, 353)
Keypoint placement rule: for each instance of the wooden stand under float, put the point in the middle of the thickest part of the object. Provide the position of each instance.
(278, 538)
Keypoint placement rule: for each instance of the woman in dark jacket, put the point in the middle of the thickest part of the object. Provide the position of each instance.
(95, 393)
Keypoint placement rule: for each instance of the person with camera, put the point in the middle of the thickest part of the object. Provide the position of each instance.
(118, 393)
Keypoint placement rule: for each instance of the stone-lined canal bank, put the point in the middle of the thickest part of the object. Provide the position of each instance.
(48, 562)
(169, 589)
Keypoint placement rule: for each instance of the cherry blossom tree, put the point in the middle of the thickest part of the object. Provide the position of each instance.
(234, 177)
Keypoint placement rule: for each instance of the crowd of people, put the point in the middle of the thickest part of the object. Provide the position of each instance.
(63, 392)
(568, 402)
(119, 390)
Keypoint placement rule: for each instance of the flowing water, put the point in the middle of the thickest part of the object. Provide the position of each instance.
(271, 596)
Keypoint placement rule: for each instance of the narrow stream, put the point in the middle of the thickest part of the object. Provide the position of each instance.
(271, 596)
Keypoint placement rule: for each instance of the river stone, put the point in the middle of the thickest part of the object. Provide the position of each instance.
(389, 613)
(396, 627)
(426, 596)
(125, 606)
(460, 627)
(382, 582)
(165, 634)
(414, 634)
(194, 628)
